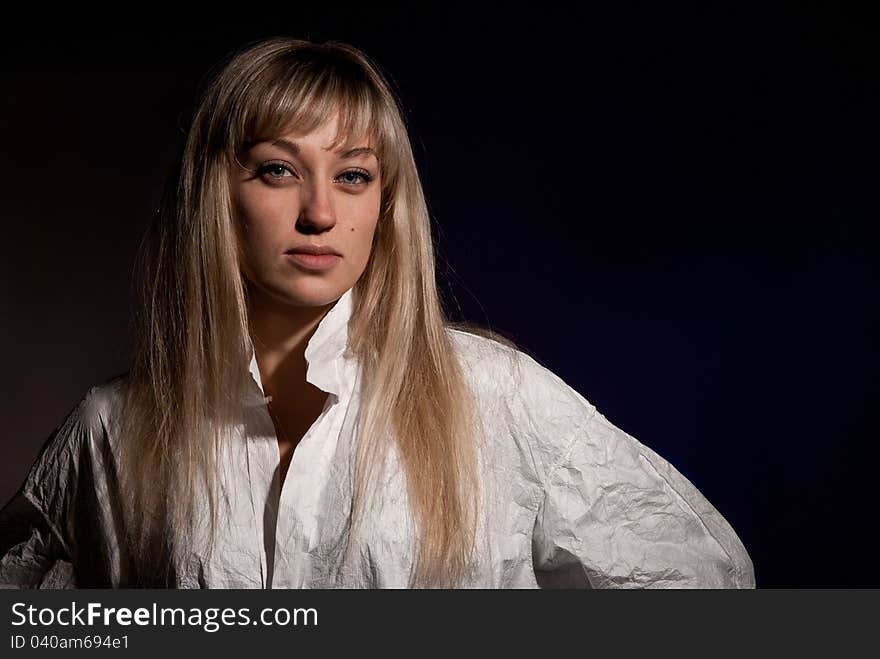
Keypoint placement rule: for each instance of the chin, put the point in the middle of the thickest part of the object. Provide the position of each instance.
(313, 293)
(299, 291)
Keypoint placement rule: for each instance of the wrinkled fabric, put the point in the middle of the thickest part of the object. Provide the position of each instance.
(566, 498)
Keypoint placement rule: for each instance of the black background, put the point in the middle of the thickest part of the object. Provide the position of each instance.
(672, 210)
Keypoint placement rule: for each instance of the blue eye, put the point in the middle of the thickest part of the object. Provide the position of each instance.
(355, 177)
(274, 170)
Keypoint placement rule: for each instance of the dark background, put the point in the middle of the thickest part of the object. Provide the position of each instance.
(671, 210)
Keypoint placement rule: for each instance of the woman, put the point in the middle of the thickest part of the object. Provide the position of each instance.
(290, 311)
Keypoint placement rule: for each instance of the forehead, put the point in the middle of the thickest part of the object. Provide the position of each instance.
(329, 137)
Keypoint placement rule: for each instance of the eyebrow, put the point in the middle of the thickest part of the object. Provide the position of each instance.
(293, 147)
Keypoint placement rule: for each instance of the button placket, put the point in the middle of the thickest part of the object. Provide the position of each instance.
(300, 496)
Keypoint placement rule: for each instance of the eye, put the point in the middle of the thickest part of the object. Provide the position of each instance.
(275, 171)
(355, 177)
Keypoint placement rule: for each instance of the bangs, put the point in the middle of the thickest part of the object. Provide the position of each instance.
(302, 91)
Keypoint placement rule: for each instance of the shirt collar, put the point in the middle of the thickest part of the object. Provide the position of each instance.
(323, 351)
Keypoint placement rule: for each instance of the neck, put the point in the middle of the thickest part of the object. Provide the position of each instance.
(280, 335)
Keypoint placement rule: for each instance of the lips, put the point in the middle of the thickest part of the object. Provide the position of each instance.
(314, 259)
(313, 249)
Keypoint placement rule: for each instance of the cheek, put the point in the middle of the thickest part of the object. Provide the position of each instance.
(263, 212)
(361, 231)
(262, 221)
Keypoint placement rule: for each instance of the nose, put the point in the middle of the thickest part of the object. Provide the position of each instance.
(316, 208)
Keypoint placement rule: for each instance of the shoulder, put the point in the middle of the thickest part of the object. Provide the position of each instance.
(100, 406)
(480, 354)
(533, 402)
(75, 444)
(515, 373)
(494, 358)
(94, 412)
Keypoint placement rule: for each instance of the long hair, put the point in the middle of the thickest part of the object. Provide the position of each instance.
(192, 344)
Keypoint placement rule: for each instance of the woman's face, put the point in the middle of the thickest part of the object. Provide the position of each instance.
(293, 193)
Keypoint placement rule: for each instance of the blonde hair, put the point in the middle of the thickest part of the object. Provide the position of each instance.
(192, 349)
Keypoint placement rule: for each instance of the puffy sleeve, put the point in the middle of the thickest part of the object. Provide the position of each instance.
(32, 555)
(614, 514)
(35, 543)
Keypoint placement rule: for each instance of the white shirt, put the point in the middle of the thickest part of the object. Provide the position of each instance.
(567, 498)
